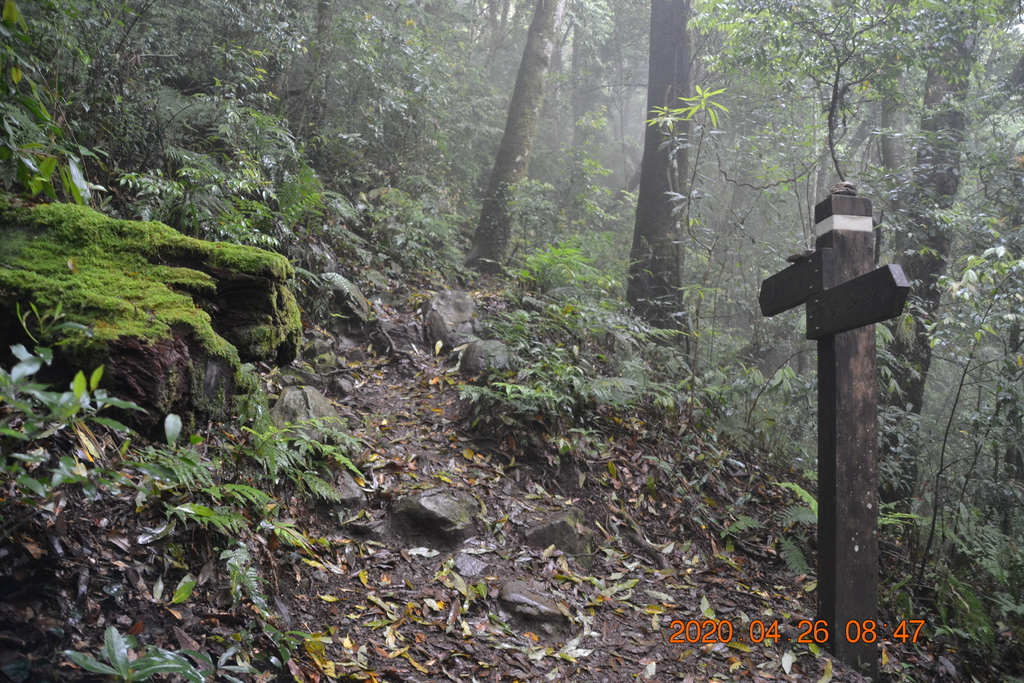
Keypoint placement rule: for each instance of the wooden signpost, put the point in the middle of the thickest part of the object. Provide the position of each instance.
(845, 297)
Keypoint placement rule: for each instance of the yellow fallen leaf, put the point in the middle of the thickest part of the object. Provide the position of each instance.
(418, 667)
(329, 598)
(827, 676)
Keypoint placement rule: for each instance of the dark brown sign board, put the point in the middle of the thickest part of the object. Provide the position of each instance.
(844, 298)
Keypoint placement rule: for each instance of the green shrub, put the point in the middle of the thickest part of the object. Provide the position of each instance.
(34, 414)
(121, 665)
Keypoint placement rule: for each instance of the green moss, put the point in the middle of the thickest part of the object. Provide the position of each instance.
(90, 231)
(133, 279)
(96, 269)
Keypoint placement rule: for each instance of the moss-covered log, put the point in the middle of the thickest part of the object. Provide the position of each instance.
(171, 317)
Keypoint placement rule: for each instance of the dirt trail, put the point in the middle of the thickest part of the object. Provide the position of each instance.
(361, 604)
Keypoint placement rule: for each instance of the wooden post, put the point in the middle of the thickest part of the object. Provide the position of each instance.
(845, 298)
(848, 452)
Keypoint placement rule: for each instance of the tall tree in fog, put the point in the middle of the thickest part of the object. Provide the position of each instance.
(924, 246)
(494, 228)
(656, 255)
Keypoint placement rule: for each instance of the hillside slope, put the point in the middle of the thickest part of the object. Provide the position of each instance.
(318, 591)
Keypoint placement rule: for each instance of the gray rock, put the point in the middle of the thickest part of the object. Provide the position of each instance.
(469, 565)
(299, 404)
(565, 531)
(340, 387)
(527, 604)
(318, 346)
(435, 519)
(348, 299)
(319, 353)
(451, 319)
(290, 376)
(484, 355)
(352, 496)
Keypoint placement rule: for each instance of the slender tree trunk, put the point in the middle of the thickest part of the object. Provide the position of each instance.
(1013, 458)
(494, 229)
(579, 106)
(656, 256)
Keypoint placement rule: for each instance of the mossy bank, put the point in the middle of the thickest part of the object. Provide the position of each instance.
(172, 318)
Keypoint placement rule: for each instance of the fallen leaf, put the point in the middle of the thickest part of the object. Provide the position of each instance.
(787, 660)
(827, 676)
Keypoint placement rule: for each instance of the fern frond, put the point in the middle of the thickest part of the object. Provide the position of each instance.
(793, 556)
(243, 578)
(292, 535)
(319, 488)
(804, 495)
(797, 514)
(227, 521)
(177, 467)
(248, 494)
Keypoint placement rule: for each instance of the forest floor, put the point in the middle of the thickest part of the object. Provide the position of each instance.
(359, 605)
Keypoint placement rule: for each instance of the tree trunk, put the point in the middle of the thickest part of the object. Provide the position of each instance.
(494, 229)
(923, 246)
(656, 256)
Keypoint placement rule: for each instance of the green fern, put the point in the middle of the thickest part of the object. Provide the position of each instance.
(175, 468)
(243, 578)
(271, 451)
(357, 302)
(242, 493)
(742, 523)
(793, 556)
(804, 495)
(226, 520)
(797, 514)
(290, 534)
(318, 487)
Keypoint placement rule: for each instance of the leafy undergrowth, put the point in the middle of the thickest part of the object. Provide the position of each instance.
(206, 563)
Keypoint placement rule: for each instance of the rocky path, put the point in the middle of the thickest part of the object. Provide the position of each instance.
(471, 560)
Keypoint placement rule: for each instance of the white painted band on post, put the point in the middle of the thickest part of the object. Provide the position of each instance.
(844, 222)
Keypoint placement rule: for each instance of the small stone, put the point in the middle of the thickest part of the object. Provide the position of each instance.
(348, 299)
(352, 496)
(565, 531)
(291, 376)
(340, 387)
(451, 319)
(301, 404)
(468, 565)
(523, 601)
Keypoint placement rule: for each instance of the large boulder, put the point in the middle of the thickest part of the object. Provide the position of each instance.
(451, 319)
(172, 318)
(484, 355)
